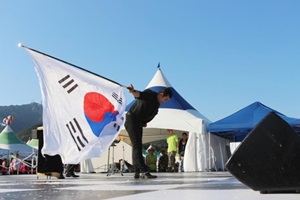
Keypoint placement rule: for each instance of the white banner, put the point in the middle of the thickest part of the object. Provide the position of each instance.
(82, 111)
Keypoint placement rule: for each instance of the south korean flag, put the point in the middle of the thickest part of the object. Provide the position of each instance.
(82, 111)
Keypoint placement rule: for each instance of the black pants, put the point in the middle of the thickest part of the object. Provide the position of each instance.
(135, 132)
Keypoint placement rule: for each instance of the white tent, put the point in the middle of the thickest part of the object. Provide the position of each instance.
(34, 143)
(9, 141)
(86, 166)
(179, 115)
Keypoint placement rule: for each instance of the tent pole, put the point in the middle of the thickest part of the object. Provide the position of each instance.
(209, 154)
(32, 153)
(8, 159)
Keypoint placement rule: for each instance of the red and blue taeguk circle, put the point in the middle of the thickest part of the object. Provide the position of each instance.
(99, 111)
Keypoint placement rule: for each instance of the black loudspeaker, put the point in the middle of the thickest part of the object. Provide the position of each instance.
(47, 164)
(268, 159)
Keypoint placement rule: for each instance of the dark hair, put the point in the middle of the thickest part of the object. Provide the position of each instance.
(162, 150)
(184, 133)
(167, 92)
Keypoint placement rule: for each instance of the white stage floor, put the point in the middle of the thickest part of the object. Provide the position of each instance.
(200, 185)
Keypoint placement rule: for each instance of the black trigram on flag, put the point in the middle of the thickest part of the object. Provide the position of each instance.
(116, 97)
(68, 83)
(77, 134)
(117, 127)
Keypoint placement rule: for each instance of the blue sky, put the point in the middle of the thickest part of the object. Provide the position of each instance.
(219, 55)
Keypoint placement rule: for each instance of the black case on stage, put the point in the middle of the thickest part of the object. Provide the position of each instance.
(48, 163)
(268, 159)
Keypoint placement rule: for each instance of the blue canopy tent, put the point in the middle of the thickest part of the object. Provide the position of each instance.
(235, 127)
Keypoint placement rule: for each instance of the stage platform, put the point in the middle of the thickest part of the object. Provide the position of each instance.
(200, 185)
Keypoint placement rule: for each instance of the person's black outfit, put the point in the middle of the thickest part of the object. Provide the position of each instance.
(141, 112)
(70, 171)
(181, 147)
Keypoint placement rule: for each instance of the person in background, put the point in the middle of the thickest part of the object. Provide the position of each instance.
(144, 109)
(163, 161)
(151, 160)
(172, 141)
(15, 164)
(23, 169)
(181, 149)
(4, 167)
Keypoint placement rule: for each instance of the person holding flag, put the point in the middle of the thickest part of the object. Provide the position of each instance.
(140, 113)
(83, 111)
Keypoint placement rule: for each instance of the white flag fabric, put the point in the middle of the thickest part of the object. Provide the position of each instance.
(82, 111)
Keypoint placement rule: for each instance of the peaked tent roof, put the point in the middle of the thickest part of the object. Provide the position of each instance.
(236, 126)
(34, 143)
(176, 114)
(158, 82)
(9, 141)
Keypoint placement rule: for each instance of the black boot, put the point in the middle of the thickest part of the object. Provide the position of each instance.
(137, 174)
(72, 174)
(148, 175)
(61, 176)
(70, 171)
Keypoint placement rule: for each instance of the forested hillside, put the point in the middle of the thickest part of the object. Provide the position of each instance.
(25, 116)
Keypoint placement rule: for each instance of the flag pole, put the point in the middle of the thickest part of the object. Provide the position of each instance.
(23, 46)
